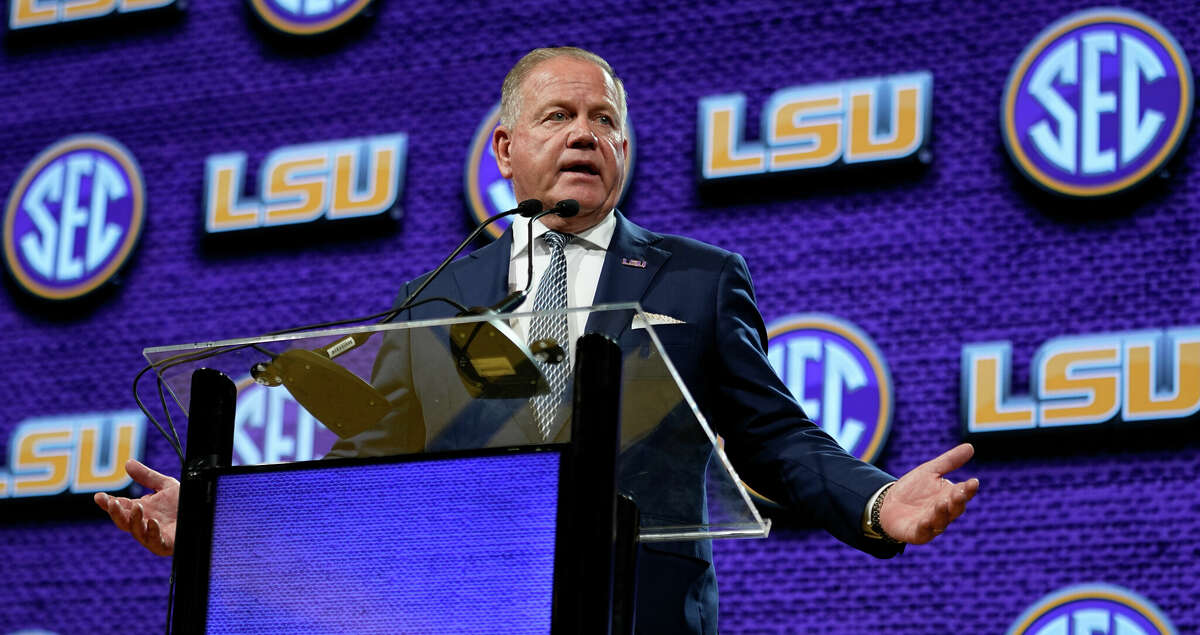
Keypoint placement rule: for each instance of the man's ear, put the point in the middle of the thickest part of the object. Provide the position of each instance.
(501, 147)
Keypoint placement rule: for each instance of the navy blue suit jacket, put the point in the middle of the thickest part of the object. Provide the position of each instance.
(719, 350)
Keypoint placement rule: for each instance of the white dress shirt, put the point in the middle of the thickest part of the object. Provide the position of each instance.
(585, 259)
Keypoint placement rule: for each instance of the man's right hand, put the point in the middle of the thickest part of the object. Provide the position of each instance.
(151, 518)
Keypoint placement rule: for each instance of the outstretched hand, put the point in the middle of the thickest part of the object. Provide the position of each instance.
(151, 518)
(922, 503)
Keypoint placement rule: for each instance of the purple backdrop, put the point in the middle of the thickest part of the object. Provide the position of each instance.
(963, 251)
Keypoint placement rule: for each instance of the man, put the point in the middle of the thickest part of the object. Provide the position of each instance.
(563, 136)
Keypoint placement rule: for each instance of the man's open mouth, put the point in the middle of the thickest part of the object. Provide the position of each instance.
(582, 168)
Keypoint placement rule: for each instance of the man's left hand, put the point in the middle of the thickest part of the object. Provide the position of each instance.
(920, 505)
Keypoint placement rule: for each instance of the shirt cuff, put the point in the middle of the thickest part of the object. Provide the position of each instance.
(866, 515)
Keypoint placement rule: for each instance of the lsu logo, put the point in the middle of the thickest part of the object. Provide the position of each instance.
(307, 17)
(73, 217)
(1083, 380)
(1098, 102)
(838, 376)
(1094, 609)
(24, 14)
(806, 127)
(488, 193)
(270, 427)
(80, 453)
(298, 184)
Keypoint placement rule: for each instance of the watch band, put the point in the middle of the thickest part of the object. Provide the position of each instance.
(876, 526)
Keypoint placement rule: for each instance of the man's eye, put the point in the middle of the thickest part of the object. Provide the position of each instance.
(559, 116)
(606, 120)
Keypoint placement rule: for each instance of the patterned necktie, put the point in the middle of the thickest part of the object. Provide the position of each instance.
(552, 296)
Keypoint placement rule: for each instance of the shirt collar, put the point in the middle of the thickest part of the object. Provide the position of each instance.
(597, 236)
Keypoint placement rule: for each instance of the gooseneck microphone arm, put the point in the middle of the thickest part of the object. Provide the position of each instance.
(528, 208)
(477, 346)
(565, 208)
(264, 373)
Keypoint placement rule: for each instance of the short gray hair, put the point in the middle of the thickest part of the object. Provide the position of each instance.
(510, 98)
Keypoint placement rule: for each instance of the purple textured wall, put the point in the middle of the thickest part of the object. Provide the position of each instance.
(963, 251)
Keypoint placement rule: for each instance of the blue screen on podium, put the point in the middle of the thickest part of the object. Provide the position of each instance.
(462, 545)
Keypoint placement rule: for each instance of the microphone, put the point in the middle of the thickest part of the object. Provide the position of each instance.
(526, 208)
(567, 208)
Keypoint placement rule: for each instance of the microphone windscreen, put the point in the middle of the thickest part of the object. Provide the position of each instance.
(567, 208)
(530, 207)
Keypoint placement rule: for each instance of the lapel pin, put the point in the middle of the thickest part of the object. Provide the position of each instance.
(630, 262)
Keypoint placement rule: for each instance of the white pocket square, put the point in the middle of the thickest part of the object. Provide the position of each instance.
(642, 320)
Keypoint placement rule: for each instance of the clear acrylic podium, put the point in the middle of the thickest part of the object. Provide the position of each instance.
(418, 395)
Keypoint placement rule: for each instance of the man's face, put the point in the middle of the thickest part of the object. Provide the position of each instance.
(567, 141)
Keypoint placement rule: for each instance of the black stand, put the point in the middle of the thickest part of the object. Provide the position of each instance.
(584, 564)
(209, 445)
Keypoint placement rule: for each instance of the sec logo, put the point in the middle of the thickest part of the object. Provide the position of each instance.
(488, 193)
(73, 217)
(1097, 103)
(307, 17)
(1095, 609)
(838, 376)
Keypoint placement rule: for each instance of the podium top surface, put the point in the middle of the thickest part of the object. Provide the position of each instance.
(467, 383)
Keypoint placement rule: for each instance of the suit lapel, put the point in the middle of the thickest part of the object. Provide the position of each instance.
(623, 277)
(483, 278)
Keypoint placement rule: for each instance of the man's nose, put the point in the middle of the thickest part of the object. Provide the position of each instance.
(580, 135)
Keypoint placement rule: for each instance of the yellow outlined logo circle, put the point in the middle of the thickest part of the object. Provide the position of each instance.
(73, 217)
(1097, 103)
